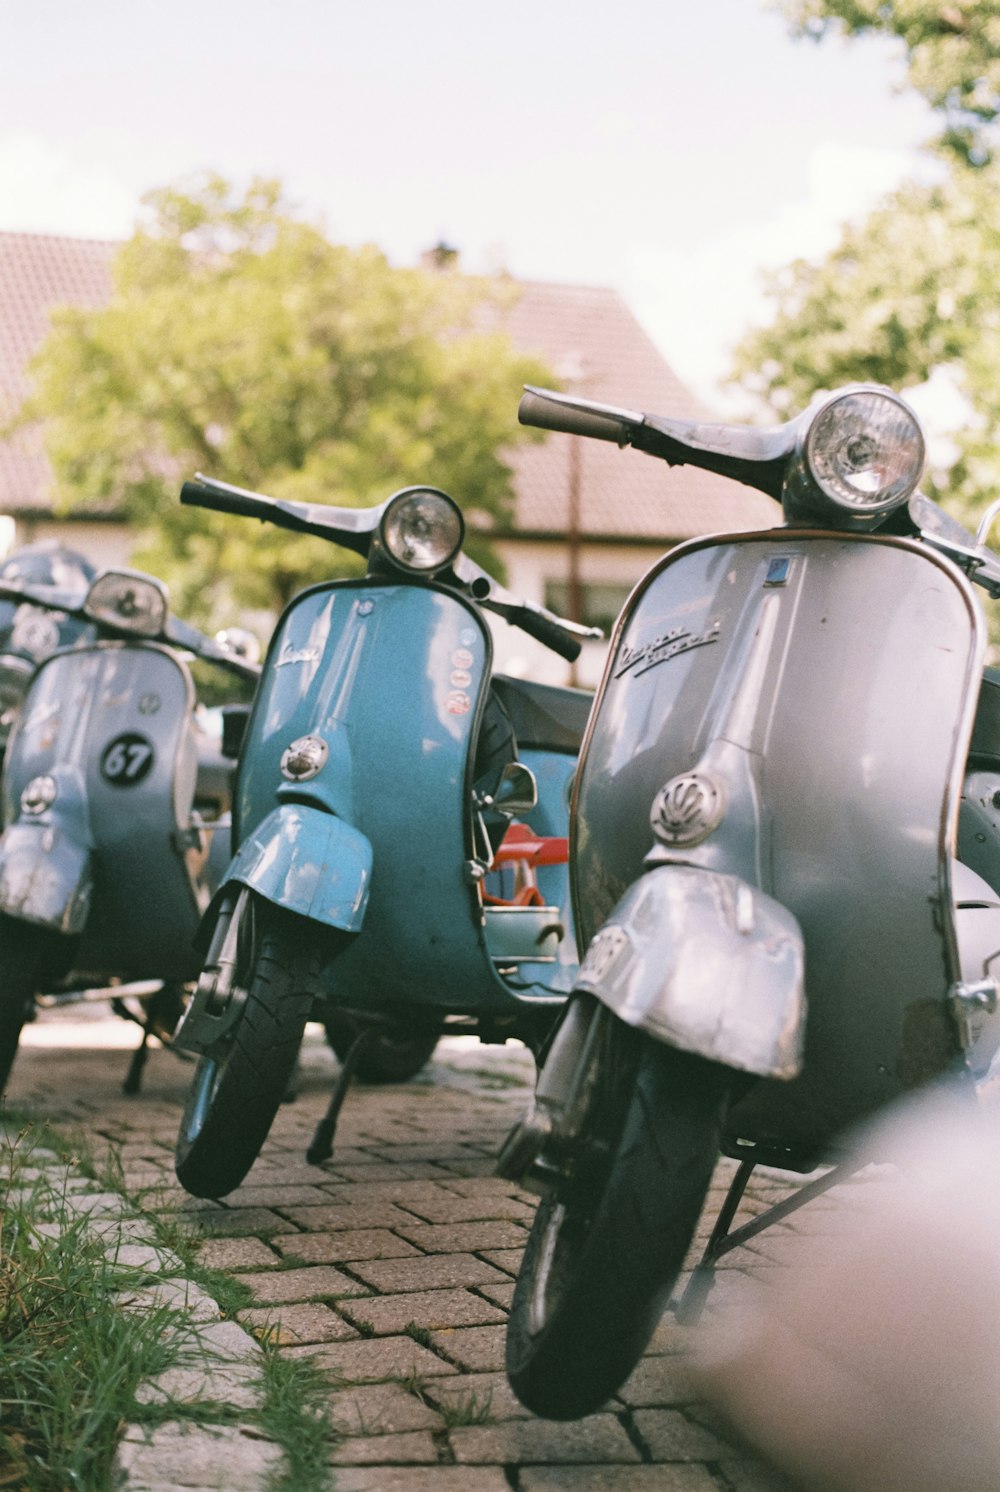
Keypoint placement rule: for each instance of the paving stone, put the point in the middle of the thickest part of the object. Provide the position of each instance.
(293, 1324)
(383, 1409)
(195, 1457)
(338, 1248)
(387, 1174)
(235, 1223)
(675, 1478)
(422, 1479)
(363, 1211)
(376, 1359)
(671, 1437)
(275, 1194)
(415, 1447)
(478, 1348)
(237, 1386)
(500, 1295)
(426, 1272)
(506, 1259)
(464, 1237)
(236, 1253)
(314, 1283)
(487, 1208)
(598, 1438)
(388, 1314)
(482, 1398)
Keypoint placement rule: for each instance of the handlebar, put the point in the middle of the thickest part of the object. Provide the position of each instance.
(549, 411)
(221, 498)
(546, 630)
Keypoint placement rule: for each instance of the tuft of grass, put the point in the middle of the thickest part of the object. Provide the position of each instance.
(70, 1358)
(296, 1414)
(469, 1408)
(418, 1334)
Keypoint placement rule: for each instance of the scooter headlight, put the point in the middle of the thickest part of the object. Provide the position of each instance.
(865, 450)
(422, 529)
(125, 599)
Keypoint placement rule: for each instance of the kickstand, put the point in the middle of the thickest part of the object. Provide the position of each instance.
(321, 1148)
(161, 1013)
(692, 1302)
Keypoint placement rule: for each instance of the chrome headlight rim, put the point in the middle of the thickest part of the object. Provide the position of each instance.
(829, 470)
(128, 601)
(415, 551)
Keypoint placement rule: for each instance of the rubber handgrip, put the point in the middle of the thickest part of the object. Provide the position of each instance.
(547, 414)
(549, 633)
(246, 504)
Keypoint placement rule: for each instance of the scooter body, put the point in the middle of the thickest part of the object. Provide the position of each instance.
(779, 938)
(114, 788)
(391, 679)
(720, 680)
(115, 859)
(378, 776)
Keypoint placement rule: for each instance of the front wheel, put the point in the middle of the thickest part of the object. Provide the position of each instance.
(397, 1053)
(238, 1087)
(22, 952)
(607, 1245)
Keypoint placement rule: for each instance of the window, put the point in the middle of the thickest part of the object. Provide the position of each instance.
(601, 602)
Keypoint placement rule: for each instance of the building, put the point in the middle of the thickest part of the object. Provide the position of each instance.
(589, 519)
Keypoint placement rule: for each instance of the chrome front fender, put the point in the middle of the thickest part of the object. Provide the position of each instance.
(310, 862)
(46, 876)
(708, 964)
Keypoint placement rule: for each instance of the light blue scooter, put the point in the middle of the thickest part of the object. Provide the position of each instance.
(381, 767)
(116, 812)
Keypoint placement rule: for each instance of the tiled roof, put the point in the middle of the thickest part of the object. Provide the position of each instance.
(37, 271)
(585, 334)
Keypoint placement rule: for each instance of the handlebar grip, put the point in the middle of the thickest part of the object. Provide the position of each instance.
(225, 499)
(547, 632)
(546, 413)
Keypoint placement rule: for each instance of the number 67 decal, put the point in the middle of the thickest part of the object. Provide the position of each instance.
(127, 760)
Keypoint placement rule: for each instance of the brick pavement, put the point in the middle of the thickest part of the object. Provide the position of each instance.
(393, 1266)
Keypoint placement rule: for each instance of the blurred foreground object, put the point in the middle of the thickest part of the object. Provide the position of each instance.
(878, 1365)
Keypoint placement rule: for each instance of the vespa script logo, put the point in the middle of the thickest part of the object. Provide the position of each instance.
(647, 655)
(297, 655)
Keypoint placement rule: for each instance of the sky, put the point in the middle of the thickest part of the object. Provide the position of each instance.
(670, 149)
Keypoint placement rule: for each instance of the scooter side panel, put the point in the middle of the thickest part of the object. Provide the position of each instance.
(826, 681)
(117, 719)
(349, 663)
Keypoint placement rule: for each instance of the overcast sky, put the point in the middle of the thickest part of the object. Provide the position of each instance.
(668, 148)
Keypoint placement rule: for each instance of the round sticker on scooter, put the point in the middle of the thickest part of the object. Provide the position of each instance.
(127, 759)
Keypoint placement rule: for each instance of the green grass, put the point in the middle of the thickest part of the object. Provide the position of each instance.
(71, 1358)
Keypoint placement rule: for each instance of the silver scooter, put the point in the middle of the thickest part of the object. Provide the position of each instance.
(785, 861)
(116, 810)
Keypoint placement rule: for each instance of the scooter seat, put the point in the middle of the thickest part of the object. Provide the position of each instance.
(544, 716)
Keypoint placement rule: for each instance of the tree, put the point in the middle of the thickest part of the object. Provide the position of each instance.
(239, 341)
(910, 294)
(952, 53)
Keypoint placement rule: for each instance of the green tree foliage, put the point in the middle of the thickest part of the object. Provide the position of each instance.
(910, 294)
(240, 342)
(952, 51)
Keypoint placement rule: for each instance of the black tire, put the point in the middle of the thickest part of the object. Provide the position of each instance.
(22, 952)
(604, 1253)
(396, 1054)
(238, 1087)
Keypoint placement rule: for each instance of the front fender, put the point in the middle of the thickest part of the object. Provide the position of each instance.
(310, 862)
(707, 963)
(46, 876)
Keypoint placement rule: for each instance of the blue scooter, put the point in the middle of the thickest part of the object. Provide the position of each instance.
(116, 812)
(381, 768)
